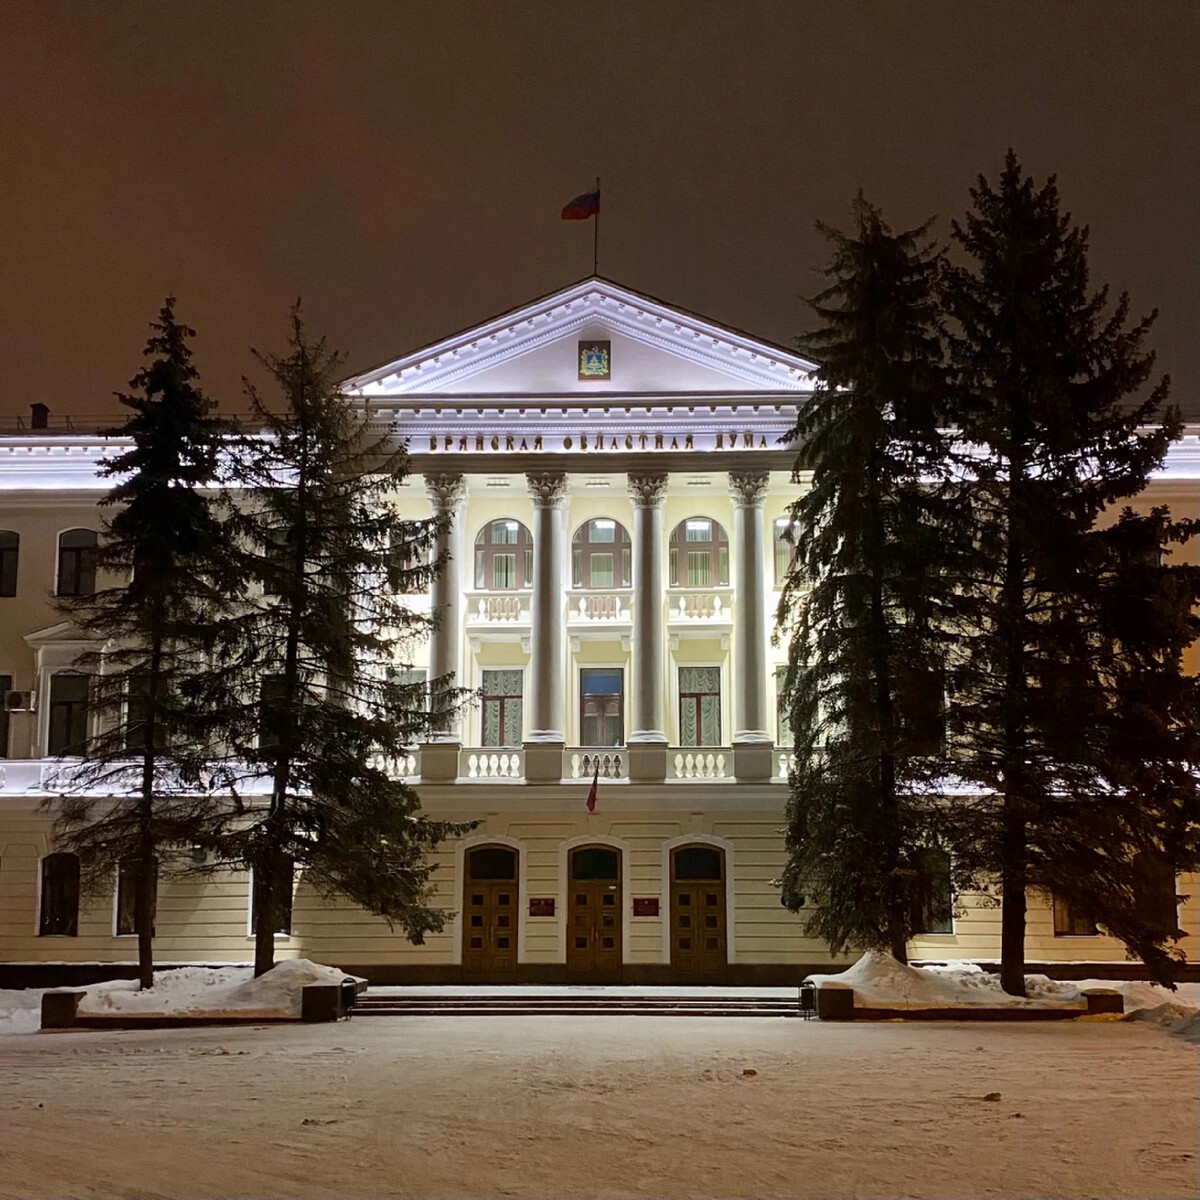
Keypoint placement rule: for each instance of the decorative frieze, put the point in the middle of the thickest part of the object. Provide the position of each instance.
(748, 488)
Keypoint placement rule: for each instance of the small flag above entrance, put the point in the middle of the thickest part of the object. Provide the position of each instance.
(591, 799)
(582, 207)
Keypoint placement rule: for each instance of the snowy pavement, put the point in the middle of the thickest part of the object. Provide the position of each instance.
(573, 1107)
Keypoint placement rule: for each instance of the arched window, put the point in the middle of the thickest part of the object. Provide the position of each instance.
(784, 541)
(76, 563)
(601, 555)
(10, 549)
(503, 556)
(699, 554)
(60, 896)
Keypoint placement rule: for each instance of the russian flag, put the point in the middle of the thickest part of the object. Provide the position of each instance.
(582, 207)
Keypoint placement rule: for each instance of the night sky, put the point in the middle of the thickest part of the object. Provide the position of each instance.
(402, 165)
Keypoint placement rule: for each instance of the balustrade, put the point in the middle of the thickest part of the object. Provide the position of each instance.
(400, 766)
(498, 607)
(701, 604)
(785, 762)
(598, 606)
(701, 764)
(582, 764)
(491, 764)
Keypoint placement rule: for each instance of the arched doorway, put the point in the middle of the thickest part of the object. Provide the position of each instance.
(698, 923)
(594, 907)
(491, 905)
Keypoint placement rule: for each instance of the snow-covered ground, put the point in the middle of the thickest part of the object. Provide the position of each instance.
(602, 1106)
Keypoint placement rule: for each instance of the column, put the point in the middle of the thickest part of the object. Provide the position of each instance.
(547, 685)
(647, 742)
(448, 494)
(749, 488)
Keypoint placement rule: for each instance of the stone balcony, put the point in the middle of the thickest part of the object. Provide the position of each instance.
(499, 611)
(700, 608)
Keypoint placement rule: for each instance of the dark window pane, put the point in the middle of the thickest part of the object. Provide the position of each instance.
(5, 686)
(69, 696)
(60, 896)
(76, 562)
(127, 884)
(492, 862)
(594, 863)
(697, 862)
(10, 548)
(932, 908)
(282, 899)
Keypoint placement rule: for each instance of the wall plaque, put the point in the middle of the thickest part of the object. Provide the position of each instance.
(645, 906)
(541, 906)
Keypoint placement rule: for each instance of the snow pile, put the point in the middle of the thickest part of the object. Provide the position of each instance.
(879, 981)
(211, 992)
(20, 1010)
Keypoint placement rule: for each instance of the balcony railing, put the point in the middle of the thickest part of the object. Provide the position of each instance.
(579, 763)
(498, 608)
(700, 606)
(604, 606)
(483, 763)
(715, 764)
(785, 760)
(402, 766)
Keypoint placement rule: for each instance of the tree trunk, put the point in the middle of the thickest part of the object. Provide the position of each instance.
(1012, 913)
(264, 916)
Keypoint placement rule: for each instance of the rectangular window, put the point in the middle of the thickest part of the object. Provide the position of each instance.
(69, 703)
(59, 916)
(932, 907)
(1071, 924)
(127, 885)
(603, 531)
(282, 899)
(271, 695)
(77, 562)
(504, 533)
(504, 570)
(601, 706)
(576, 567)
(921, 711)
(698, 573)
(602, 570)
(137, 705)
(528, 568)
(5, 687)
(699, 706)
(502, 707)
(10, 548)
(697, 531)
(785, 548)
(785, 724)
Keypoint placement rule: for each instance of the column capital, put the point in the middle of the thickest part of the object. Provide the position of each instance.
(647, 491)
(548, 488)
(748, 488)
(446, 491)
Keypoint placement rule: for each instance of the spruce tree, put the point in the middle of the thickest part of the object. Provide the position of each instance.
(861, 603)
(329, 705)
(1045, 384)
(141, 787)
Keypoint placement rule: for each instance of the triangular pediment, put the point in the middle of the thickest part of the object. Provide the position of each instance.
(653, 349)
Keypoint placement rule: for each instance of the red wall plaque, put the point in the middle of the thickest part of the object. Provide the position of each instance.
(645, 906)
(541, 906)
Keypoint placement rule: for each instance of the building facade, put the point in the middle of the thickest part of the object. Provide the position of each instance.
(617, 487)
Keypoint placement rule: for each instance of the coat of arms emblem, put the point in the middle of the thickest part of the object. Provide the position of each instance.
(595, 360)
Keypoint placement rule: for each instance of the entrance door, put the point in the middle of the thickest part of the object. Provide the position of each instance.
(594, 915)
(490, 908)
(698, 911)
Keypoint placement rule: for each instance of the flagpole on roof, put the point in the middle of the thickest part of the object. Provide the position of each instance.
(596, 233)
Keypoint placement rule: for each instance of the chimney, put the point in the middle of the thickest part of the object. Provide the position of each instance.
(39, 416)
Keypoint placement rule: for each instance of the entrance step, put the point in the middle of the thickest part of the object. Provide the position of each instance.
(485, 1004)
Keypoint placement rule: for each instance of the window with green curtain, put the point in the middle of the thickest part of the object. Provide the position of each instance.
(699, 706)
(502, 707)
(785, 724)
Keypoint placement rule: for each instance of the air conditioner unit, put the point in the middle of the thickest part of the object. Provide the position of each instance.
(20, 701)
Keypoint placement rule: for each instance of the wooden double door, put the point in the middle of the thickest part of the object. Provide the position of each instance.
(594, 907)
(491, 908)
(698, 922)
